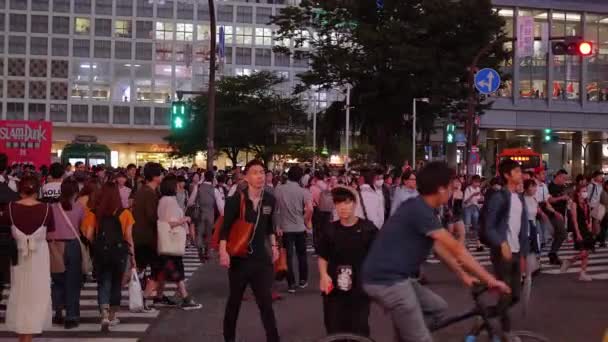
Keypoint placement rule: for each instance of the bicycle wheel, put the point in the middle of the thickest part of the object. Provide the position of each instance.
(345, 338)
(527, 336)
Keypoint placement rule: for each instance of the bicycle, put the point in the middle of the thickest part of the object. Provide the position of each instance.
(484, 325)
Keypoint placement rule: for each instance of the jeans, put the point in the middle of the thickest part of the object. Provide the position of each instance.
(109, 284)
(296, 241)
(346, 314)
(559, 234)
(413, 308)
(204, 230)
(65, 287)
(510, 273)
(471, 217)
(260, 277)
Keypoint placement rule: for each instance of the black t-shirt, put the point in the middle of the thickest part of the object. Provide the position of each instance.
(345, 248)
(558, 191)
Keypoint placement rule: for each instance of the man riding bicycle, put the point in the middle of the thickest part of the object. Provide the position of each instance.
(403, 244)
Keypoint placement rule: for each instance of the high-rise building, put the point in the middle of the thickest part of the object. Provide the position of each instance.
(110, 68)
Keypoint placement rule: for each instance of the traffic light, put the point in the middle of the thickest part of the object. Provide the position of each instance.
(450, 135)
(574, 46)
(178, 115)
(547, 137)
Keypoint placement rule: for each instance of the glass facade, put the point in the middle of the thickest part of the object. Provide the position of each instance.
(541, 76)
(118, 62)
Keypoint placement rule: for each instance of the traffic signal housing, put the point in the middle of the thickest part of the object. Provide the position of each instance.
(573, 46)
(547, 135)
(179, 113)
(450, 133)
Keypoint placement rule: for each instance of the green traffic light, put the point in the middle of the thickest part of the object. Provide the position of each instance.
(548, 130)
(183, 109)
(178, 122)
(547, 138)
(450, 138)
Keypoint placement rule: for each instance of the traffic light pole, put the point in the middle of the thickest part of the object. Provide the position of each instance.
(211, 101)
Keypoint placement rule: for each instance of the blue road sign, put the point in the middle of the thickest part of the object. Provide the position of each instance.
(487, 81)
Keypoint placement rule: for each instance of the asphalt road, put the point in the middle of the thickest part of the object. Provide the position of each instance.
(562, 309)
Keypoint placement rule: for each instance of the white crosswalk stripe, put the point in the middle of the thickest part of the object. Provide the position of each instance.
(132, 327)
(597, 269)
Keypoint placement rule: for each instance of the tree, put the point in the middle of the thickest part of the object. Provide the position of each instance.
(408, 49)
(248, 108)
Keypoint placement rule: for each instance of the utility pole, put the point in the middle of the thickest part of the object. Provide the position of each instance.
(347, 130)
(314, 133)
(211, 109)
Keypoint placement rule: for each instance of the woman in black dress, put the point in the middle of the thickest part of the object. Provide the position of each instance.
(581, 227)
(455, 212)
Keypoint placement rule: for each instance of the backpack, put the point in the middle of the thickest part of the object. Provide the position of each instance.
(110, 247)
(483, 214)
(326, 201)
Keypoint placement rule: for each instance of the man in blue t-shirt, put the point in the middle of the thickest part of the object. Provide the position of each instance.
(403, 244)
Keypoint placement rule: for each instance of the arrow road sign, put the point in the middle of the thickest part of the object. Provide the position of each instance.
(487, 81)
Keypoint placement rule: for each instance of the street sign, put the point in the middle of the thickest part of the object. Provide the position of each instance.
(460, 137)
(487, 81)
(474, 158)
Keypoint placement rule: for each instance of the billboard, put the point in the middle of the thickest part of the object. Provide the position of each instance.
(26, 141)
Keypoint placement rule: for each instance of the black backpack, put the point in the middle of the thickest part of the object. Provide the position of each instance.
(110, 247)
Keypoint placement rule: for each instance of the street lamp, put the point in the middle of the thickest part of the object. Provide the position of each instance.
(418, 99)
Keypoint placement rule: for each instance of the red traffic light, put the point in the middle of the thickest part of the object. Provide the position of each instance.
(585, 48)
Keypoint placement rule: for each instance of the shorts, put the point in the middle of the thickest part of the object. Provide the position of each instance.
(172, 269)
(146, 256)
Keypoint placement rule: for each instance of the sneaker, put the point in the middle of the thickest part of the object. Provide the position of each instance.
(70, 325)
(585, 277)
(292, 289)
(114, 322)
(554, 260)
(164, 302)
(146, 309)
(565, 266)
(303, 284)
(189, 304)
(105, 325)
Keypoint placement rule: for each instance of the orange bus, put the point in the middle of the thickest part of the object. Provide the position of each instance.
(527, 158)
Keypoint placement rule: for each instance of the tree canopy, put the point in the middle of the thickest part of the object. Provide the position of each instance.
(248, 109)
(407, 49)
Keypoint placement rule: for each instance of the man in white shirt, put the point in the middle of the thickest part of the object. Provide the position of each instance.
(595, 189)
(371, 204)
(51, 191)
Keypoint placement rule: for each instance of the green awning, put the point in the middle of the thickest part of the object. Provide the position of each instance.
(85, 150)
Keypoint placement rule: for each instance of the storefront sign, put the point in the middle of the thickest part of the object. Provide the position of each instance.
(525, 36)
(26, 141)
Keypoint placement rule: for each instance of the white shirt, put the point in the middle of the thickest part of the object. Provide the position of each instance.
(51, 190)
(469, 199)
(374, 205)
(514, 223)
(542, 193)
(11, 182)
(595, 193)
(532, 206)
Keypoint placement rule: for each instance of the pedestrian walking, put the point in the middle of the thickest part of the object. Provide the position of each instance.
(255, 267)
(405, 191)
(124, 190)
(294, 213)
(472, 202)
(207, 199)
(66, 257)
(557, 212)
(530, 191)
(110, 228)
(584, 241)
(342, 250)
(52, 188)
(371, 201)
(29, 304)
(170, 212)
(455, 219)
(598, 210)
(601, 237)
(507, 233)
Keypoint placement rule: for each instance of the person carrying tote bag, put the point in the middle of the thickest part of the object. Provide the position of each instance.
(172, 231)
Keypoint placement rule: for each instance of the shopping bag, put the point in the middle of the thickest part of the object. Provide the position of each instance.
(171, 241)
(280, 266)
(136, 297)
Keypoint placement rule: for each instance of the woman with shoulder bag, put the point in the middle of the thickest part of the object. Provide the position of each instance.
(110, 226)
(29, 304)
(66, 255)
(172, 215)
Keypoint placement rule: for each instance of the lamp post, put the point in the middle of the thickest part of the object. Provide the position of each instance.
(347, 131)
(314, 132)
(418, 99)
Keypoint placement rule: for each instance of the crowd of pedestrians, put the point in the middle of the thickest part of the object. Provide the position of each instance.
(371, 231)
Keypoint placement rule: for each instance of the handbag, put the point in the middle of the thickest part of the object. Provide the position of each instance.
(241, 232)
(598, 212)
(86, 262)
(280, 266)
(171, 241)
(136, 297)
(56, 252)
(194, 213)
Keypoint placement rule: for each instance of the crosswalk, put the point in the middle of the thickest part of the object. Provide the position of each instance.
(597, 269)
(132, 325)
